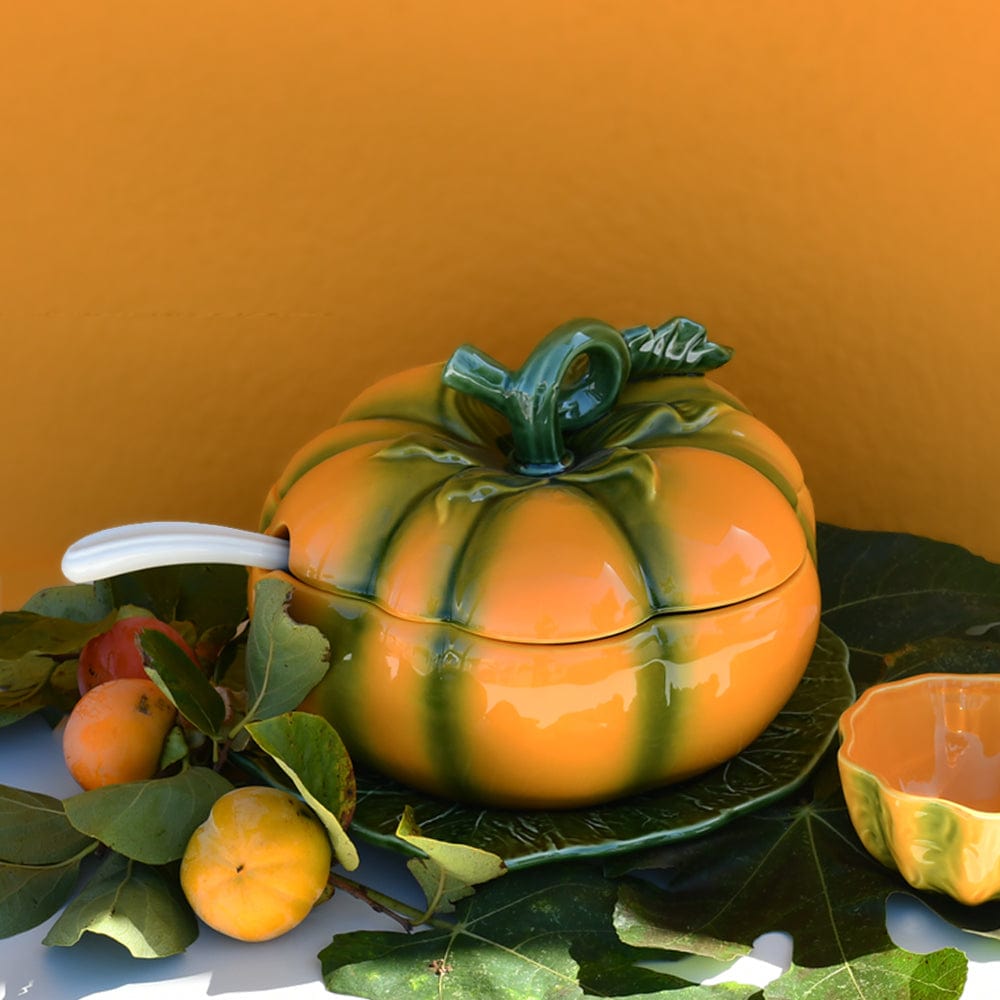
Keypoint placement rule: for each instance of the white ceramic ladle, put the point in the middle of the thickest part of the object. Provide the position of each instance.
(131, 547)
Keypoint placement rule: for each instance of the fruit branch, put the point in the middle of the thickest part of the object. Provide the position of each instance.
(408, 917)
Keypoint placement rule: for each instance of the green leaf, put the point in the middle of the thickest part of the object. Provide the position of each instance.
(230, 667)
(887, 976)
(446, 872)
(796, 867)
(137, 906)
(173, 672)
(84, 602)
(543, 934)
(285, 660)
(175, 748)
(678, 347)
(638, 919)
(213, 643)
(150, 821)
(25, 673)
(34, 829)
(40, 855)
(206, 595)
(30, 894)
(24, 632)
(36, 682)
(904, 604)
(308, 749)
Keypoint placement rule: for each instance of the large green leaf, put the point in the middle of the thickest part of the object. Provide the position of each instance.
(140, 907)
(82, 602)
(285, 660)
(796, 867)
(886, 976)
(30, 894)
(36, 682)
(149, 821)
(207, 595)
(24, 632)
(34, 829)
(40, 856)
(545, 935)
(906, 605)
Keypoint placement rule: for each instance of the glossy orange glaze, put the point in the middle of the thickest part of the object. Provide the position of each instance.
(729, 527)
(568, 576)
(920, 765)
(554, 639)
(550, 565)
(530, 725)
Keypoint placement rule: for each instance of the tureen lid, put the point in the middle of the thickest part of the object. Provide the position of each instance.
(604, 483)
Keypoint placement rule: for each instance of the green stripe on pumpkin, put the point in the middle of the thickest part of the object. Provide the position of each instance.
(397, 529)
(348, 625)
(657, 700)
(618, 493)
(477, 539)
(401, 486)
(443, 709)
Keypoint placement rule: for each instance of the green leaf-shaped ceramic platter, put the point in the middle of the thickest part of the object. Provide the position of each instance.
(770, 768)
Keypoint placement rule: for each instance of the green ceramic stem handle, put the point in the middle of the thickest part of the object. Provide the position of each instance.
(569, 380)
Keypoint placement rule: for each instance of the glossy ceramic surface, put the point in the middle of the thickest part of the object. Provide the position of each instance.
(920, 766)
(767, 770)
(557, 585)
(547, 726)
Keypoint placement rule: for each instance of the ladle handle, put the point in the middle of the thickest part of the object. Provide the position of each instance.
(131, 547)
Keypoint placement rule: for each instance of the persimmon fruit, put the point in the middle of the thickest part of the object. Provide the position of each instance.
(115, 732)
(118, 652)
(257, 866)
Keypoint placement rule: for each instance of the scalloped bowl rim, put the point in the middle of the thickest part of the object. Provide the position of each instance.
(887, 690)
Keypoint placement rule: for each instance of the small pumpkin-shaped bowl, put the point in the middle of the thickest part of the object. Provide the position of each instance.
(555, 586)
(920, 766)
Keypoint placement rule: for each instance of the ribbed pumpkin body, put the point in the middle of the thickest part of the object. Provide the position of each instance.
(548, 641)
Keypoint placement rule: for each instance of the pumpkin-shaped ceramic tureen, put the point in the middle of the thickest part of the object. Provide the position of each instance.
(555, 586)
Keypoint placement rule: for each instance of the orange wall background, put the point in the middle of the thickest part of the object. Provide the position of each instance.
(220, 220)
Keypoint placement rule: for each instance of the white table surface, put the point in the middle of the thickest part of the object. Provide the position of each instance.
(223, 969)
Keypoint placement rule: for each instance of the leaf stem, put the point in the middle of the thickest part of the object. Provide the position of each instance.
(435, 901)
(408, 917)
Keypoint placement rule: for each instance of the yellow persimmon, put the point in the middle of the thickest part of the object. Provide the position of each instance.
(256, 867)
